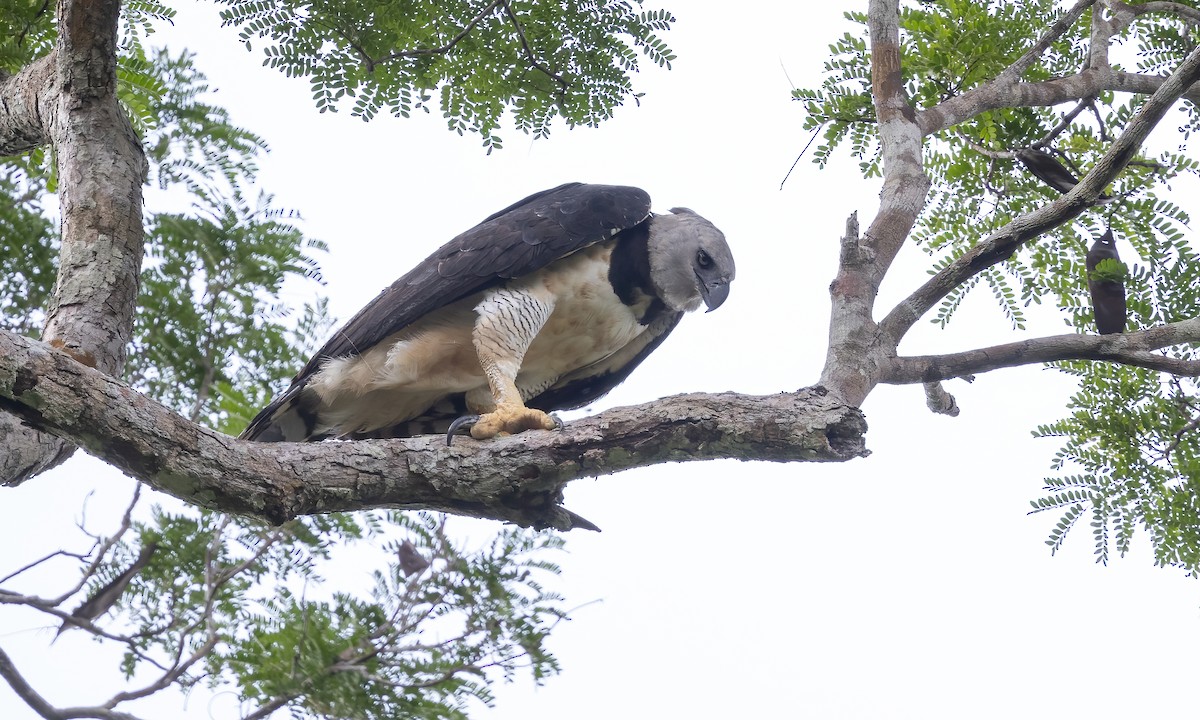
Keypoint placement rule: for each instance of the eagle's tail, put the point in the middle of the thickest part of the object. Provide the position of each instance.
(434, 421)
(291, 417)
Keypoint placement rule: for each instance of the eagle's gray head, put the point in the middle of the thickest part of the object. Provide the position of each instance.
(690, 263)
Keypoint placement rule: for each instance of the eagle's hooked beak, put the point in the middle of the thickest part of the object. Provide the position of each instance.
(714, 293)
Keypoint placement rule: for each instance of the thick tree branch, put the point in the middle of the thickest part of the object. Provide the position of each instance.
(853, 346)
(999, 92)
(1001, 244)
(27, 105)
(518, 479)
(1128, 349)
(101, 168)
(1171, 8)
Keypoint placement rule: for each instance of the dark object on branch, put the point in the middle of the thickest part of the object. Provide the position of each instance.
(103, 600)
(1050, 171)
(411, 560)
(1106, 283)
(552, 302)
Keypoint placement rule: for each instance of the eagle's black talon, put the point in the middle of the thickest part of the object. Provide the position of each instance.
(558, 423)
(465, 421)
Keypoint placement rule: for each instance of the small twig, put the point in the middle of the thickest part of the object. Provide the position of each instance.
(35, 563)
(807, 145)
(39, 705)
(213, 582)
(444, 48)
(1189, 427)
(104, 545)
(529, 51)
(1065, 122)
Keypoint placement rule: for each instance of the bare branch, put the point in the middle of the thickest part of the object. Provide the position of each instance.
(38, 704)
(1173, 8)
(1067, 119)
(168, 678)
(273, 705)
(852, 330)
(28, 106)
(213, 581)
(105, 545)
(35, 563)
(1127, 349)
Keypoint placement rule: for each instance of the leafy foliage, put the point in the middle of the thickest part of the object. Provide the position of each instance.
(1130, 456)
(220, 333)
(572, 60)
(28, 246)
(1109, 270)
(193, 143)
(26, 32)
(237, 605)
(1128, 443)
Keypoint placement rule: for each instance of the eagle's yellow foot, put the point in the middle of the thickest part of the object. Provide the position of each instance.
(504, 420)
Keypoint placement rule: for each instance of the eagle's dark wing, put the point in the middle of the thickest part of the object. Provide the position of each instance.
(515, 241)
(1048, 169)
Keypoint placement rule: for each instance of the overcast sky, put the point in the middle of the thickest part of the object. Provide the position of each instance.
(910, 584)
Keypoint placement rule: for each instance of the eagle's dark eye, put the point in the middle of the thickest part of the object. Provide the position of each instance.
(703, 260)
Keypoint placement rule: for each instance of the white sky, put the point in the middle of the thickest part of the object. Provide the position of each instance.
(910, 584)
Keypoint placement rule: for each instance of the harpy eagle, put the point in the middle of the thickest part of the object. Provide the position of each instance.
(546, 305)
(1106, 285)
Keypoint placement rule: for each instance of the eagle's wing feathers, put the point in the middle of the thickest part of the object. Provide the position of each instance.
(518, 240)
(584, 270)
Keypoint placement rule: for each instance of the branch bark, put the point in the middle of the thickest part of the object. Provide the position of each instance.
(1128, 349)
(854, 352)
(518, 479)
(38, 704)
(70, 100)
